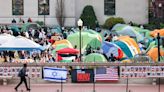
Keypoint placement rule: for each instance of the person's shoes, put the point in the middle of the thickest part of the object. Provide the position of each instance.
(15, 89)
(28, 89)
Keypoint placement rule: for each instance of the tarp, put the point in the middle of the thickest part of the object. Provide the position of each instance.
(68, 50)
(95, 57)
(153, 53)
(109, 48)
(155, 32)
(65, 42)
(21, 43)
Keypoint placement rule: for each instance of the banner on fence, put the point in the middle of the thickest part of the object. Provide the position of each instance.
(33, 72)
(82, 75)
(141, 71)
(55, 74)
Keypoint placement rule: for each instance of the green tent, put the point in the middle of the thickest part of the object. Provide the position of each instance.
(123, 29)
(95, 57)
(86, 38)
(14, 28)
(27, 26)
(144, 32)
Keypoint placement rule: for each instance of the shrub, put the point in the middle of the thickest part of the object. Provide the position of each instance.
(88, 16)
(110, 22)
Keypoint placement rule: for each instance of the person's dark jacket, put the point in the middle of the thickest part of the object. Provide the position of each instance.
(22, 72)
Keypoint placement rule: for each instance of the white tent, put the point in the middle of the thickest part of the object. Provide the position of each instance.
(20, 43)
(5, 38)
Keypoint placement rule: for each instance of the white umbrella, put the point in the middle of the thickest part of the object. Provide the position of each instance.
(20, 43)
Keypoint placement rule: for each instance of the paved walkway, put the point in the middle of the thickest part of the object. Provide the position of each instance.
(84, 88)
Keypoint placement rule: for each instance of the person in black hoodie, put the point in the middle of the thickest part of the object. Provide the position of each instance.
(22, 74)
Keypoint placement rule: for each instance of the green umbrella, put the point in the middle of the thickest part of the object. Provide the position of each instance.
(95, 57)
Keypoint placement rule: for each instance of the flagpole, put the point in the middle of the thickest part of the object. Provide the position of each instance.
(127, 82)
(94, 77)
(61, 85)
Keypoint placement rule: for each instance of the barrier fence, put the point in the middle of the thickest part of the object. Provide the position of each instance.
(131, 70)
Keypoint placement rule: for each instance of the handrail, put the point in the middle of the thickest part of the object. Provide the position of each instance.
(81, 64)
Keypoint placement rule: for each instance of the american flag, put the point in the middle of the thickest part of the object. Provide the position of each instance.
(103, 73)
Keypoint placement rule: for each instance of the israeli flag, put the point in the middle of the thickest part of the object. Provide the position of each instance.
(55, 74)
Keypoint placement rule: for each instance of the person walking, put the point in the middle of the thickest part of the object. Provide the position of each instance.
(22, 74)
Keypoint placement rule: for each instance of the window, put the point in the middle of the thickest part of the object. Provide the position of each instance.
(109, 7)
(17, 7)
(43, 7)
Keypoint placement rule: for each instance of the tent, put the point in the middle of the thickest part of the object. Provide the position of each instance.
(109, 48)
(27, 26)
(127, 30)
(143, 32)
(155, 32)
(5, 38)
(20, 43)
(14, 28)
(67, 51)
(86, 38)
(65, 42)
(125, 48)
(153, 53)
(95, 57)
(58, 47)
(131, 43)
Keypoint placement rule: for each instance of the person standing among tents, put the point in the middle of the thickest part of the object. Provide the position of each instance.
(22, 74)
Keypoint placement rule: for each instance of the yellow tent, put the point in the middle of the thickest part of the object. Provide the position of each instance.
(153, 53)
(65, 42)
(155, 32)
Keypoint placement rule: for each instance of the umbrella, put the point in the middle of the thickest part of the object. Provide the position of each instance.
(27, 26)
(21, 43)
(95, 57)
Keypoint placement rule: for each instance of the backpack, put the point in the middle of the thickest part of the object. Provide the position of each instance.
(20, 73)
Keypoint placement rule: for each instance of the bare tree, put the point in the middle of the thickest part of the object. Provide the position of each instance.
(60, 12)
